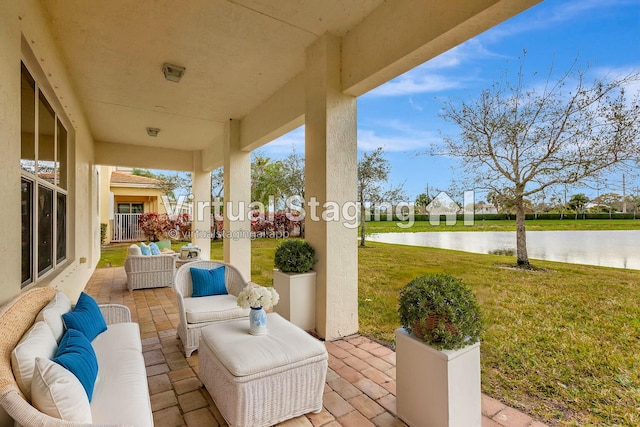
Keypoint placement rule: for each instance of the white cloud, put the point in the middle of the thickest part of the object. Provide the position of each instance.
(615, 72)
(395, 136)
(455, 68)
(414, 84)
(287, 143)
(444, 72)
(415, 105)
(539, 19)
(632, 87)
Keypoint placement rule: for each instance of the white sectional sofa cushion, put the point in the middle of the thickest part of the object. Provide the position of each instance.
(57, 392)
(37, 342)
(212, 308)
(52, 313)
(121, 393)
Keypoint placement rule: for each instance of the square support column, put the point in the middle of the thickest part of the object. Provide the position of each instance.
(201, 225)
(330, 189)
(237, 195)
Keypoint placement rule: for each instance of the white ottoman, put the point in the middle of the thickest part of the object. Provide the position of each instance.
(258, 381)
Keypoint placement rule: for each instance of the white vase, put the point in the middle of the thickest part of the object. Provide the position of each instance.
(257, 321)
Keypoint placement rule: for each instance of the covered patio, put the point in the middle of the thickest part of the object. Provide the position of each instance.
(192, 88)
(361, 381)
(95, 83)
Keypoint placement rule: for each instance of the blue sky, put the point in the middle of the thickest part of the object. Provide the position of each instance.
(402, 115)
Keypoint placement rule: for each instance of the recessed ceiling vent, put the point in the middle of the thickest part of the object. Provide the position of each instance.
(173, 73)
(153, 132)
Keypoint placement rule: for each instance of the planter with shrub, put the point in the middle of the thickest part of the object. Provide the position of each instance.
(295, 282)
(438, 353)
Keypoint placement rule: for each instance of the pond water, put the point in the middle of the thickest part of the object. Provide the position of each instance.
(608, 248)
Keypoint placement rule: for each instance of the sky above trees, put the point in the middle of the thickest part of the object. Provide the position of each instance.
(402, 116)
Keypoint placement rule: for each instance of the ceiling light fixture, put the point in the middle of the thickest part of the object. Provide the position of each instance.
(173, 73)
(153, 132)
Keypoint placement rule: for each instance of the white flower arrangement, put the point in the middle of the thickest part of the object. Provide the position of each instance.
(258, 296)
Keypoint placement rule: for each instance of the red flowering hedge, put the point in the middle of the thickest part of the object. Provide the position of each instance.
(277, 225)
(157, 226)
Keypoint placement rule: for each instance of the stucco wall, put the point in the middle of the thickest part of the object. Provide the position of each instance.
(24, 35)
(151, 197)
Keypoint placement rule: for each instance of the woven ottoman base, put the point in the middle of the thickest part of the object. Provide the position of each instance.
(252, 392)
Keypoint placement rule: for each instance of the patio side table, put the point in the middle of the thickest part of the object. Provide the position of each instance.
(180, 262)
(259, 381)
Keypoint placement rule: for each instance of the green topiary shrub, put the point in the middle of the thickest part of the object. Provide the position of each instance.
(441, 311)
(294, 256)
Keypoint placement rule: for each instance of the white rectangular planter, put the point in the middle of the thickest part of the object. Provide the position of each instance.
(297, 298)
(437, 388)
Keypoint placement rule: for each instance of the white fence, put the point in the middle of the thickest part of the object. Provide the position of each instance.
(125, 228)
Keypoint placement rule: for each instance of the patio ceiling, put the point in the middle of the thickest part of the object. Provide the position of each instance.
(244, 60)
(236, 54)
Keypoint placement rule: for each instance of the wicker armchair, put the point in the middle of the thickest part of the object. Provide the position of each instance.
(154, 271)
(196, 313)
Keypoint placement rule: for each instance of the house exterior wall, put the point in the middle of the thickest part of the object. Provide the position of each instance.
(151, 197)
(104, 193)
(110, 196)
(24, 36)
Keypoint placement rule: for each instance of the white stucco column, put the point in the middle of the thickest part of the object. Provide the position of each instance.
(237, 195)
(201, 226)
(330, 177)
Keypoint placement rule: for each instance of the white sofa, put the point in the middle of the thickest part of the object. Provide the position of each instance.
(121, 393)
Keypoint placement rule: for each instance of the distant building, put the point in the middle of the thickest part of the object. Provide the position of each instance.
(442, 205)
(596, 207)
(123, 197)
(485, 209)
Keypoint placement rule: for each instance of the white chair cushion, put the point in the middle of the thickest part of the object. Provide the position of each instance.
(57, 392)
(52, 314)
(213, 308)
(135, 250)
(121, 394)
(36, 342)
(244, 354)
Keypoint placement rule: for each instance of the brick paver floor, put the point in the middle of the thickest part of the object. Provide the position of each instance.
(361, 380)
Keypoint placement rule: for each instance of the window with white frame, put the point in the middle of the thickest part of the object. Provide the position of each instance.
(43, 161)
(130, 208)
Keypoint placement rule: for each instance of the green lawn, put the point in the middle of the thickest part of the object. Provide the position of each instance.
(113, 255)
(507, 225)
(562, 345)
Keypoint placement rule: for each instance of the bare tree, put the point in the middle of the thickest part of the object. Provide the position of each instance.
(217, 190)
(373, 171)
(293, 174)
(518, 141)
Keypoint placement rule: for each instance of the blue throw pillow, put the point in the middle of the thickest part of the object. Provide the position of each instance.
(76, 355)
(146, 250)
(155, 250)
(208, 282)
(85, 317)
